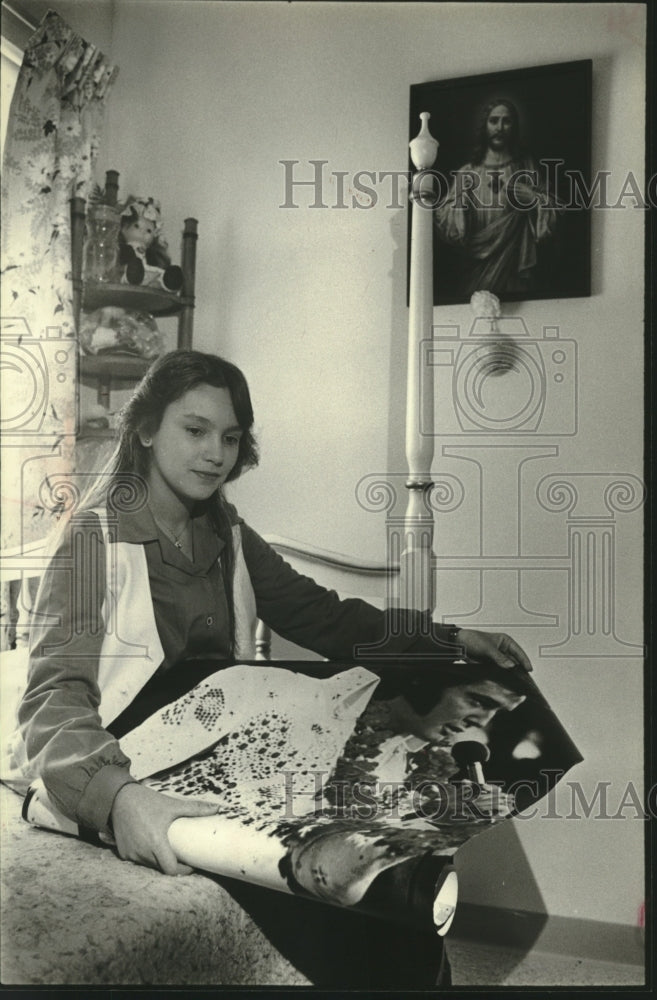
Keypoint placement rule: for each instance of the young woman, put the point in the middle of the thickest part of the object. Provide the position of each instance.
(155, 571)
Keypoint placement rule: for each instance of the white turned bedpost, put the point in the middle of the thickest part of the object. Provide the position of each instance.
(416, 570)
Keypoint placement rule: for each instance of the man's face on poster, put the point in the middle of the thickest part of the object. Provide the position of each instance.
(500, 127)
(463, 707)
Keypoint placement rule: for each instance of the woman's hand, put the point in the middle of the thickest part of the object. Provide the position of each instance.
(497, 647)
(141, 818)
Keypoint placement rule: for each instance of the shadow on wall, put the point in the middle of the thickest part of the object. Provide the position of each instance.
(491, 868)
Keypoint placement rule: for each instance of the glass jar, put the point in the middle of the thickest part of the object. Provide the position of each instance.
(101, 249)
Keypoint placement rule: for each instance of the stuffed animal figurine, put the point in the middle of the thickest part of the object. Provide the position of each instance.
(143, 257)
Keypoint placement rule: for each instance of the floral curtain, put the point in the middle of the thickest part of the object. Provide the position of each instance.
(51, 144)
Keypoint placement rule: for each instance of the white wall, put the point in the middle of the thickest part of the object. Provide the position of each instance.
(311, 303)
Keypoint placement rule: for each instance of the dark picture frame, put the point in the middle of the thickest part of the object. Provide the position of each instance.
(553, 125)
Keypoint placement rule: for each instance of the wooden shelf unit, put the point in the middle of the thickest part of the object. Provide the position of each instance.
(89, 296)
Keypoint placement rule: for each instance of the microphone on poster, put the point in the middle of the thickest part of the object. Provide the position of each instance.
(471, 755)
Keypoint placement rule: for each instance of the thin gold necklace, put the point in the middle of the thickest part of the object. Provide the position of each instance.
(176, 539)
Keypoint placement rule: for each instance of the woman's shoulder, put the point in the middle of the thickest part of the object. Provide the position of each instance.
(75, 536)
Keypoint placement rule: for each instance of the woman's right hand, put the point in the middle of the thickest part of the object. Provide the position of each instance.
(141, 818)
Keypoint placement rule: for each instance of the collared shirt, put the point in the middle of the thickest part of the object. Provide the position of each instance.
(189, 597)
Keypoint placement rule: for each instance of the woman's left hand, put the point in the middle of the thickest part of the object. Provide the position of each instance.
(497, 647)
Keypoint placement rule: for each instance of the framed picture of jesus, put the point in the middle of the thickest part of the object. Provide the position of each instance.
(512, 182)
